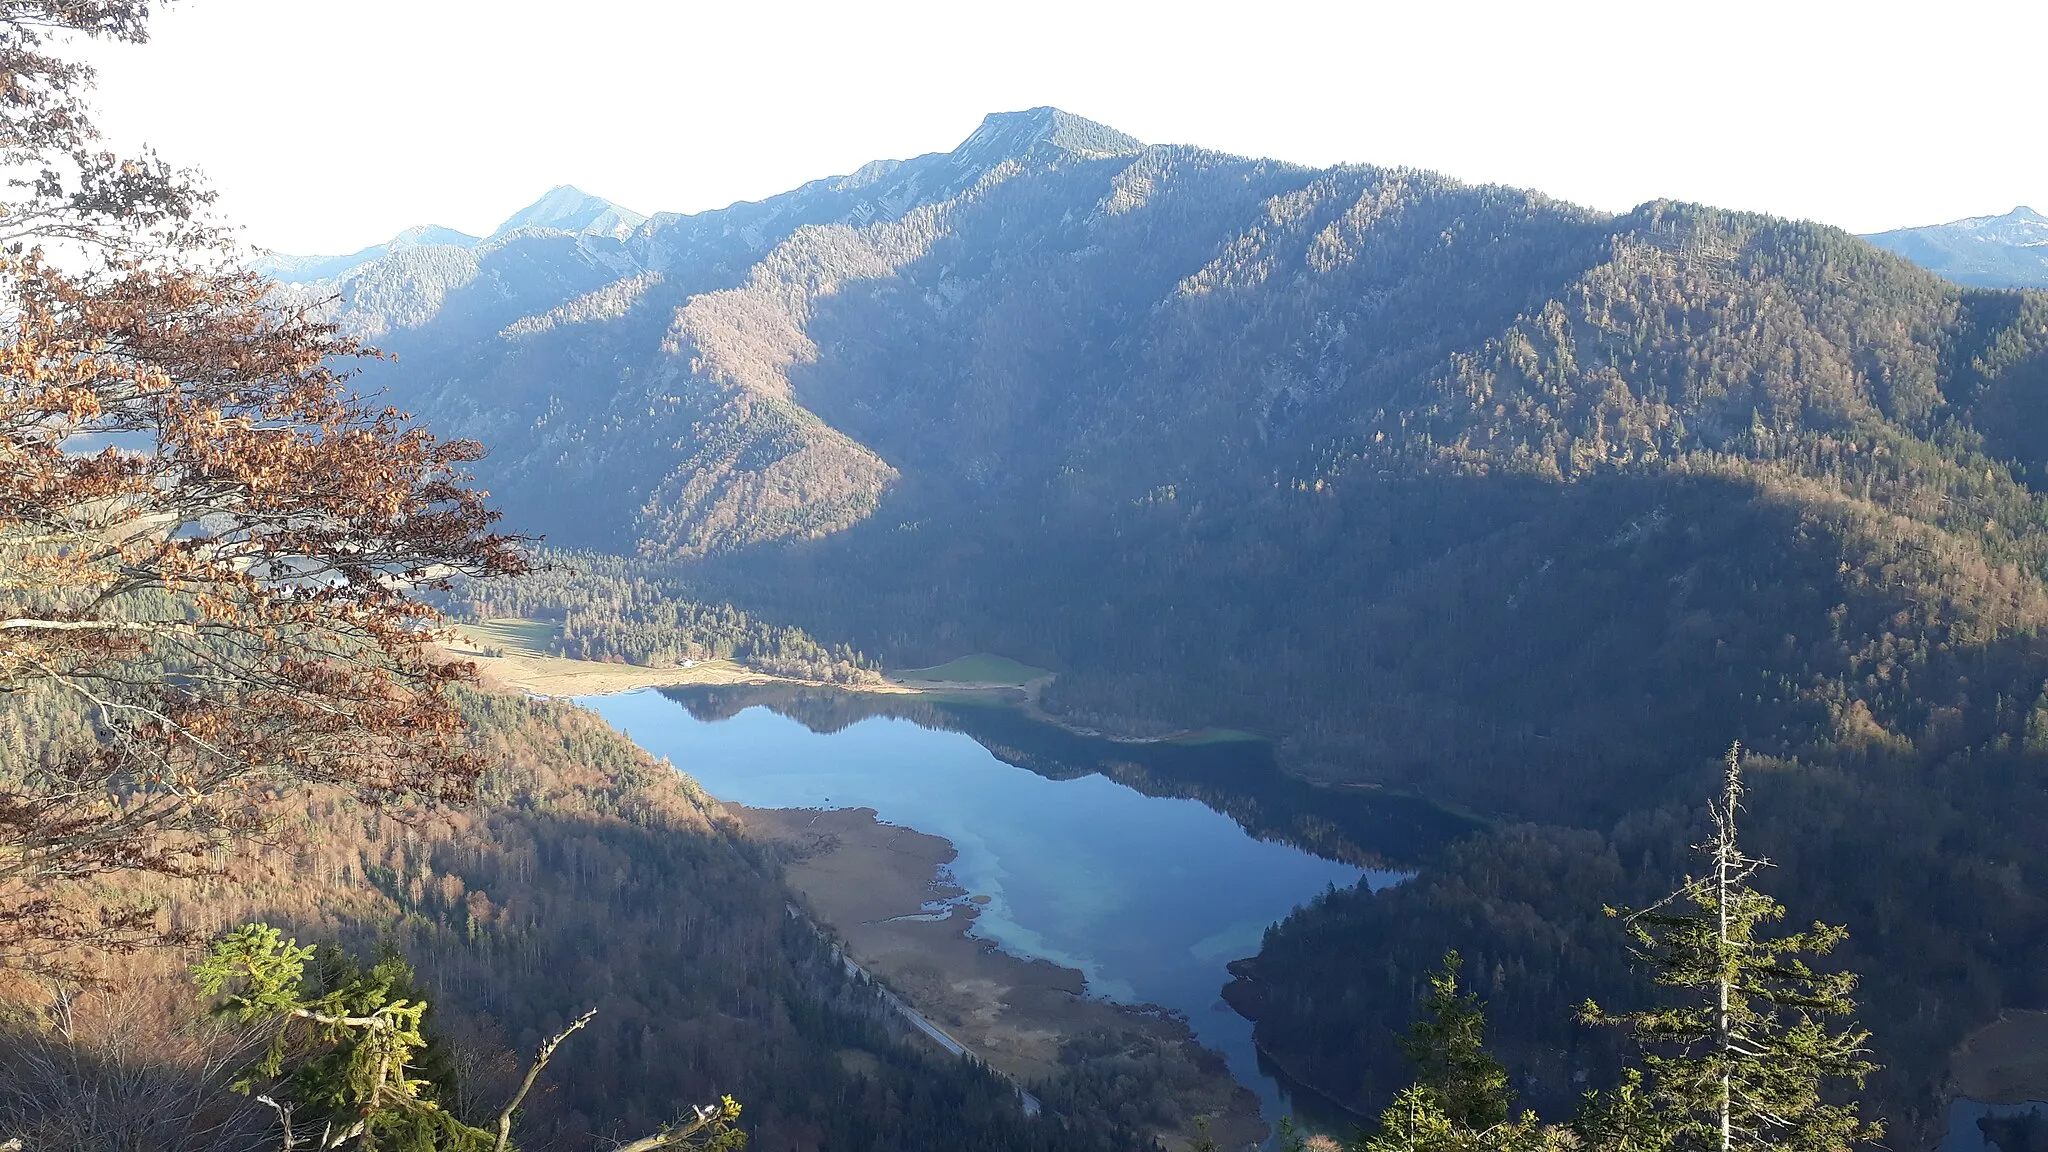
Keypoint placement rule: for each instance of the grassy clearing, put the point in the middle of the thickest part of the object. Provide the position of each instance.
(513, 635)
(1207, 736)
(970, 699)
(980, 668)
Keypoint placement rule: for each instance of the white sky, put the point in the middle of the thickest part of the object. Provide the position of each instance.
(331, 124)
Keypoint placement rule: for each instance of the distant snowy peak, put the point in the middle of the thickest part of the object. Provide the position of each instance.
(2019, 215)
(2022, 226)
(2009, 251)
(306, 269)
(423, 234)
(569, 209)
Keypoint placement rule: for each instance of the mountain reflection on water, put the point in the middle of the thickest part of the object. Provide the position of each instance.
(1235, 777)
(1148, 867)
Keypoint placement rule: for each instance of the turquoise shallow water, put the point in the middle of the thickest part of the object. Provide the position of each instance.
(1149, 896)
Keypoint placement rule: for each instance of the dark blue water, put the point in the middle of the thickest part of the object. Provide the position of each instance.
(1150, 896)
(1975, 1127)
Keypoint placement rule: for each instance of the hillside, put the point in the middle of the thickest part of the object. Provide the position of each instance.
(588, 874)
(1455, 490)
(1160, 379)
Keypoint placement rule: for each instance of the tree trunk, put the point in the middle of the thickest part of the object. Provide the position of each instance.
(1721, 1038)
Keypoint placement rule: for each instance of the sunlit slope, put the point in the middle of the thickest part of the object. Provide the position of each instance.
(1340, 455)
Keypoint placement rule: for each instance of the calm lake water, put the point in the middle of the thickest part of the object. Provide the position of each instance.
(1148, 893)
(1975, 1127)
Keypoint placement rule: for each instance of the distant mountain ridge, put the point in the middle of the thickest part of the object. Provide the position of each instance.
(565, 208)
(522, 299)
(2009, 251)
(306, 269)
(561, 209)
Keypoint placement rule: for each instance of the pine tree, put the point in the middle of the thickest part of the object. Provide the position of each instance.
(1447, 1049)
(1626, 1118)
(1741, 1059)
(1460, 1100)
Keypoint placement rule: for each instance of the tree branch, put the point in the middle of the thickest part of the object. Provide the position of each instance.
(154, 628)
(673, 1136)
(540, 1061)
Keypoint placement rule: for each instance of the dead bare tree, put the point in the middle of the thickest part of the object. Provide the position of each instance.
(116, 1066)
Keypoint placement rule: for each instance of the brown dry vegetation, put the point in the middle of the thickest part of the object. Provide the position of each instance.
(585, 874)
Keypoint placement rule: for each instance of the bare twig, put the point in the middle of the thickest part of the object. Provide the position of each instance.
(540, 1061)
(705, 1114)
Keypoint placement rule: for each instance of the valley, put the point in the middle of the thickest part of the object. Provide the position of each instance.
(1058, 643)
(1097, 893)
(1258, 547)
(1452, 492)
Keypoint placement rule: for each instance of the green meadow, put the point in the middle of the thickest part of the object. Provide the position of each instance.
(513, 634)
(980, 668)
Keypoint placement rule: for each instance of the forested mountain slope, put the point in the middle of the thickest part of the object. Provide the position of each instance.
(587, 875)
(1452, 489)
(1313, 438)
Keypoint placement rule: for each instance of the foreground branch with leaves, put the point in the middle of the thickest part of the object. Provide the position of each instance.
(341, 1069)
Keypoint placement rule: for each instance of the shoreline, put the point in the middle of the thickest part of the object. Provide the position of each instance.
(1244, 994)
(562, 676)
(882, 891)
(2003, 1063)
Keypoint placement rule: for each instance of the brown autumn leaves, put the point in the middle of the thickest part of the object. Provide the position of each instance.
(211, 551)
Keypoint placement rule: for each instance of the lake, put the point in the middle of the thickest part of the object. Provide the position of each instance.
(1978, 1127)
(1118, 860)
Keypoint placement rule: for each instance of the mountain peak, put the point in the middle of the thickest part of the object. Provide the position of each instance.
(291, 269)
(567, 208)
(2009, 251)
(422, 234)
(1004, 134)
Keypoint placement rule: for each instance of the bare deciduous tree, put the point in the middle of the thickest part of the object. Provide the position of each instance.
(210, 550)
(125, 1065)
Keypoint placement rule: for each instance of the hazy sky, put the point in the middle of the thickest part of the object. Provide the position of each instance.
(330, 124)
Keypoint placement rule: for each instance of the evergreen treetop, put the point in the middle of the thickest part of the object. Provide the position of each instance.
(1740, 1056)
